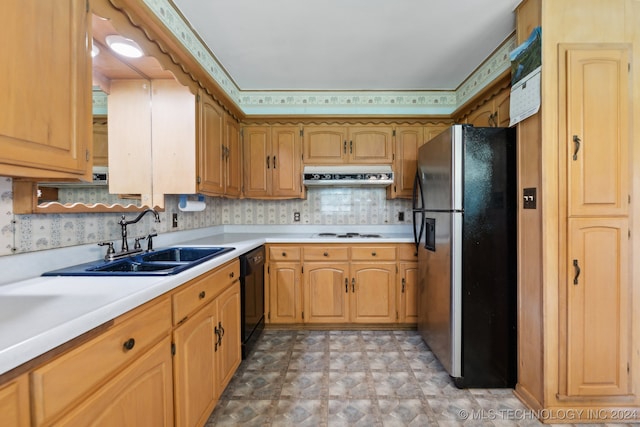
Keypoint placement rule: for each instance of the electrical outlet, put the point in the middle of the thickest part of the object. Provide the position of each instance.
(174, 220)
(400, 216)
(296, 217)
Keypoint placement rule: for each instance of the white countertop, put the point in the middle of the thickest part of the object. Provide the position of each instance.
(41, 313)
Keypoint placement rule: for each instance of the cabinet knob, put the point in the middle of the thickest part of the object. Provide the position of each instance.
(129, 344)
(326, 254)
(202, 294)
(284, 254)
(373, 254)
(232, 274)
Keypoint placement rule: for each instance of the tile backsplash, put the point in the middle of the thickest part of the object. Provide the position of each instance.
(323, 206)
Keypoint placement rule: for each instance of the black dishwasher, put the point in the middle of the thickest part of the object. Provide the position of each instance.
(251, 297)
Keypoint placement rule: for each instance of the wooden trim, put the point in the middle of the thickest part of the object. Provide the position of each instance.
(305, 120)
(156, 33)
(484, 96)
(25, 202)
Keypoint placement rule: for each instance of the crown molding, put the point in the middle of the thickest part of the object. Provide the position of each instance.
(288, 103)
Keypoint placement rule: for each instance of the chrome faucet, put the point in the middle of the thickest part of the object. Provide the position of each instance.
(123, 223)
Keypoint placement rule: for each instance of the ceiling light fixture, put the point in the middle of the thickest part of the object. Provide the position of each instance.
(124, 46)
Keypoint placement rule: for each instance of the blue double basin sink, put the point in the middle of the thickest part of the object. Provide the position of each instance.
(161, 262)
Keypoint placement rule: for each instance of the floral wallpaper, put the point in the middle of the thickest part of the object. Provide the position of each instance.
(28, 233)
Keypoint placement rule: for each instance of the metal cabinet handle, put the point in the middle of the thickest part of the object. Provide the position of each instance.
(221, 330)
(577, 268)
(576, 143)
(129, 344)
(218, 338)
(353, 284)
(202, 294)
(345, 146)
(404, 282)
(274, 162)
(267, 162)
(350, 147)
(346, 285)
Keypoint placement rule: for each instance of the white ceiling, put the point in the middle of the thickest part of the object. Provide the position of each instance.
(327, 45)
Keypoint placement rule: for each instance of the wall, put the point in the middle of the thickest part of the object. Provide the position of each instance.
(28, 233)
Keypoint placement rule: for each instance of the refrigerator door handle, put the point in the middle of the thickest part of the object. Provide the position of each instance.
(417, 188)
(417, 235)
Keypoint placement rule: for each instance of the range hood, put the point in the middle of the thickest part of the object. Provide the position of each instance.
(348, 176)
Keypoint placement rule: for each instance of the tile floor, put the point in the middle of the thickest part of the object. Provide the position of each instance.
(355, 378)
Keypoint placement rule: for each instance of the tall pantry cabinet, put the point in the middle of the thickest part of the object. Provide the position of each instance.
(579, 346)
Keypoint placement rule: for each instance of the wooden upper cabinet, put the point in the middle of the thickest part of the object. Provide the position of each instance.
(272, 162)
(597, 138)
(210, 139)
(45, 129)
(370, 144)
(408, 140)
(232, 158)
(326, 145)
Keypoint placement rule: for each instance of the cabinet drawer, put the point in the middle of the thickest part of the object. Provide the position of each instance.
(407, 252)
(198, 292)
(284, 253)
(323, 253)
(373, 253)
(70, 377)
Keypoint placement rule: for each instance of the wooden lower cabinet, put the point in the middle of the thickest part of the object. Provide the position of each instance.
(326, 290)
(14, 402)
(207, 344)
(66, 382)
(598, 307)
(407, 292)
(229, 345)
(194, 367)
(373, 292)
(285, 292)
(342, 284)
(141, 395)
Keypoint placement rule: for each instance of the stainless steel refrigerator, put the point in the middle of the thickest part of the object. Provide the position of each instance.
(464, 219)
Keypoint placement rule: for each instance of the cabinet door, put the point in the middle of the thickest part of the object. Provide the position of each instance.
(256, 145)
(194, 368)
(326, 292)
(141, 395)
(408, 292)
(598, 307)
(373, 295)
(14, 403)
(229, 351)
(501, 108)
(45, 127)
(370, 144)
(325, 145)
(598, 131)
(285, 293)
(233, 158)
(129, 125)
(408, 140)
(483, 116)
(286, 161)
(210, 141)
